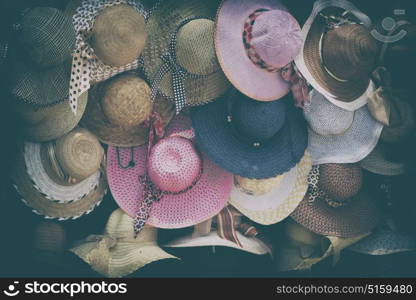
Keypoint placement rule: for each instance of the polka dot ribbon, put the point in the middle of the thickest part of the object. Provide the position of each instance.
(179, 74)
(86, 67)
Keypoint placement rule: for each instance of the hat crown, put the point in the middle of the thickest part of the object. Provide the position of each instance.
(47, 36)
(276, 37)
(301, 234)
(340, 181)
(258, 121)
(174, 164)
(126, 101)
(195, 50)
(349, 51)
(79, 153)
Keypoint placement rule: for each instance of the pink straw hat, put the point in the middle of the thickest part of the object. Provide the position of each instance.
(254, 40)
(194, 188)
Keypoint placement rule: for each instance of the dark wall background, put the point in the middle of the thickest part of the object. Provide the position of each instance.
(17, 222)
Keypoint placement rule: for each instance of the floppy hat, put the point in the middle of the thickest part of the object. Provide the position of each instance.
(385, 240)
(338, 53)
(118, 252)
(61, 179)
(279, 200)
(191, 187)
(110, 36)
(179, 58)
(346, 139)
(345, 218)
(378, 162)
(119, 108)
(251, 138)
(254, 40)
(49, 123)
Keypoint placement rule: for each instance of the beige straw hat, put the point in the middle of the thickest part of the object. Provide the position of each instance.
(181, 39)
(61, 179)
(119, 108)
(271, 200)
(46, 124)
(117, 252)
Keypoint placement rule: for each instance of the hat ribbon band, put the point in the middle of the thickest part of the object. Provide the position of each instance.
(56, 166)
(299, 86)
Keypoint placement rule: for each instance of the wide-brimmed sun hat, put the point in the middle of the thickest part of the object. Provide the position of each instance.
(119, 109)
(61, 179)
(337, 135)
(254, 41)
(41, 68)
(268, 201)
(49, 123)
(110, 36)
(380, 162)
(342, 217)
(192, 188)
(253, 139)
(118, 252)
(179, 58)
(338, 53)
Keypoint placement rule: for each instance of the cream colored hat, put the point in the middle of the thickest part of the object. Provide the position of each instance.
(271, 200)
(117, 253)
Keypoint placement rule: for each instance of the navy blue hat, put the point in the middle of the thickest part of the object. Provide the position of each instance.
(253, 139)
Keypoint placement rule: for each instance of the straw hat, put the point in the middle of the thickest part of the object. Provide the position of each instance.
(61, 179)
(268, 201)
(378, 162)
(40, 73)
(117, 252)
(192, 187)
(338, 53)
(345, 142)
(119, 108)
(186, 43)
(254, 40)
(249, 138)
(49, 123)
(118, 35)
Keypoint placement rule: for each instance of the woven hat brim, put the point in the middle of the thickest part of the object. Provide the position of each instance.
(251, 245)
(351, 146)
(376, 163)
(95, 121)
(215, 138)
(160, 28)
(359, 217)
(124, 258)
(276, 205)
(51, 210)
(59, 121)
(248, 78)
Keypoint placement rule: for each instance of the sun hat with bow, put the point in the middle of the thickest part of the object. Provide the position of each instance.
(380, 162)
(337, 135)
(118, 252)
(249, 138)
(119, 109)
(41, 68)
(179, 58)
(46, 124)
(61, 179)
(352, 213)
(254, 41)
(338, 53)
(180, 185)
(268, 201)
(227, 229)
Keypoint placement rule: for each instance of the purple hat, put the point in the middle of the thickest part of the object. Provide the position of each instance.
(254, 40)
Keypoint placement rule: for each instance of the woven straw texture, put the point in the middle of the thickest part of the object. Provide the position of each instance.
(47, 36)
(257, 187)
(50, 123)
(194, 49)
(280, 202)
(117, 253)
(351, 146)
(128, 105)
(376, 162)
(43, 206)
(49, 236)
